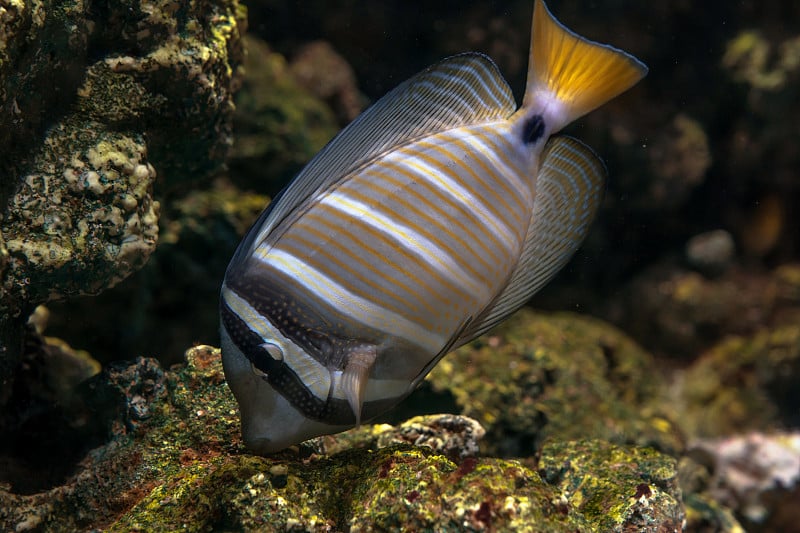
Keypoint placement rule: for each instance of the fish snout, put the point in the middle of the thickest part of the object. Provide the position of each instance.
(269, 422)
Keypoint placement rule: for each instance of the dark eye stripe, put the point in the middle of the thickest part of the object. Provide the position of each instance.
(286, 383)
(293, 319)
(279, 375)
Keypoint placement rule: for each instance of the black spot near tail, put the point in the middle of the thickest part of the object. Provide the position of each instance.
(533, 130)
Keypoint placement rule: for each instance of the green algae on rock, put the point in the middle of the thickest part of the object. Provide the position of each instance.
(198, 232)
(615, 488)
(279, 126)
(683, 313)
(556, 376)
(82, 219)
(454, 436)
(80, 225)
(159, 425)
(175, 462)
(400, 487)
(412, 490)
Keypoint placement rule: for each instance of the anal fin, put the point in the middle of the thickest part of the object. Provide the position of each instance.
(569, 189)
(356, 374)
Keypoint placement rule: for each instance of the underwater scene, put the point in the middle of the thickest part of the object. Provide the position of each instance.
(399, 266)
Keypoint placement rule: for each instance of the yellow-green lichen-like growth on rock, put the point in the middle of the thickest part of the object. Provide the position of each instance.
(85, 225)
(95, 103)
(744, 383)
(615, 488)
(175, 461)
(560, 376)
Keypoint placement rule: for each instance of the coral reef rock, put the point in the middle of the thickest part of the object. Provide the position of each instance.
(743, 384)
(559, 376)
(95, 102)
(173, 460)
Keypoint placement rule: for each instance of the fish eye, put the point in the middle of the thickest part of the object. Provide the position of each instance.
(259, 364)
(273, 350)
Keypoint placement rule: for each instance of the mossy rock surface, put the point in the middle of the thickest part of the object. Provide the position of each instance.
(744, 383)
(561, 376)
(174, 460)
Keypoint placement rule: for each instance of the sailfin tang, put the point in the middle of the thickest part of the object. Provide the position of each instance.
(460, 90)
(355, 377)
(576, 73)
(568, 192)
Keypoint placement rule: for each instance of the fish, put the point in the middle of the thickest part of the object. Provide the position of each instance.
(428, 220)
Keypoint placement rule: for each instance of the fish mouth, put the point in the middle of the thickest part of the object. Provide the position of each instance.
(282, 436)
(262, 445)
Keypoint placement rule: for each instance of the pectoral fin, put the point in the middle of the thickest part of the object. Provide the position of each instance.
(356, 374)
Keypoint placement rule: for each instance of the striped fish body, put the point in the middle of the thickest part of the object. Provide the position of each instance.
(430, 219)
(405, 250)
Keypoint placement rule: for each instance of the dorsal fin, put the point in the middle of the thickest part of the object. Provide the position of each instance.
(460, 90)
(568, 192)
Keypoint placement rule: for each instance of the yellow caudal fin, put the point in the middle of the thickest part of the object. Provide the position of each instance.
(568, 76)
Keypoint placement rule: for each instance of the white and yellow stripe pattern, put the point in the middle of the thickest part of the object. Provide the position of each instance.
(415, 242)
(425, 222)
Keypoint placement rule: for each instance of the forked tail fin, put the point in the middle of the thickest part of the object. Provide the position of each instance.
(568, 75)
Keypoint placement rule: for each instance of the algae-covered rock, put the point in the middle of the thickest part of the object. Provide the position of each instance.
(683, 313)
(279, 126)
(174, 461)
(742, 384)
(401, 488)
(556, 376)
(179, 285)
(80, 225)
(614, 488)
(453, 436)
(94, 104)
(158, 426)
(419, 492)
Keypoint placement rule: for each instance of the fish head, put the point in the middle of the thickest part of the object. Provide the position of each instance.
(270, 423)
